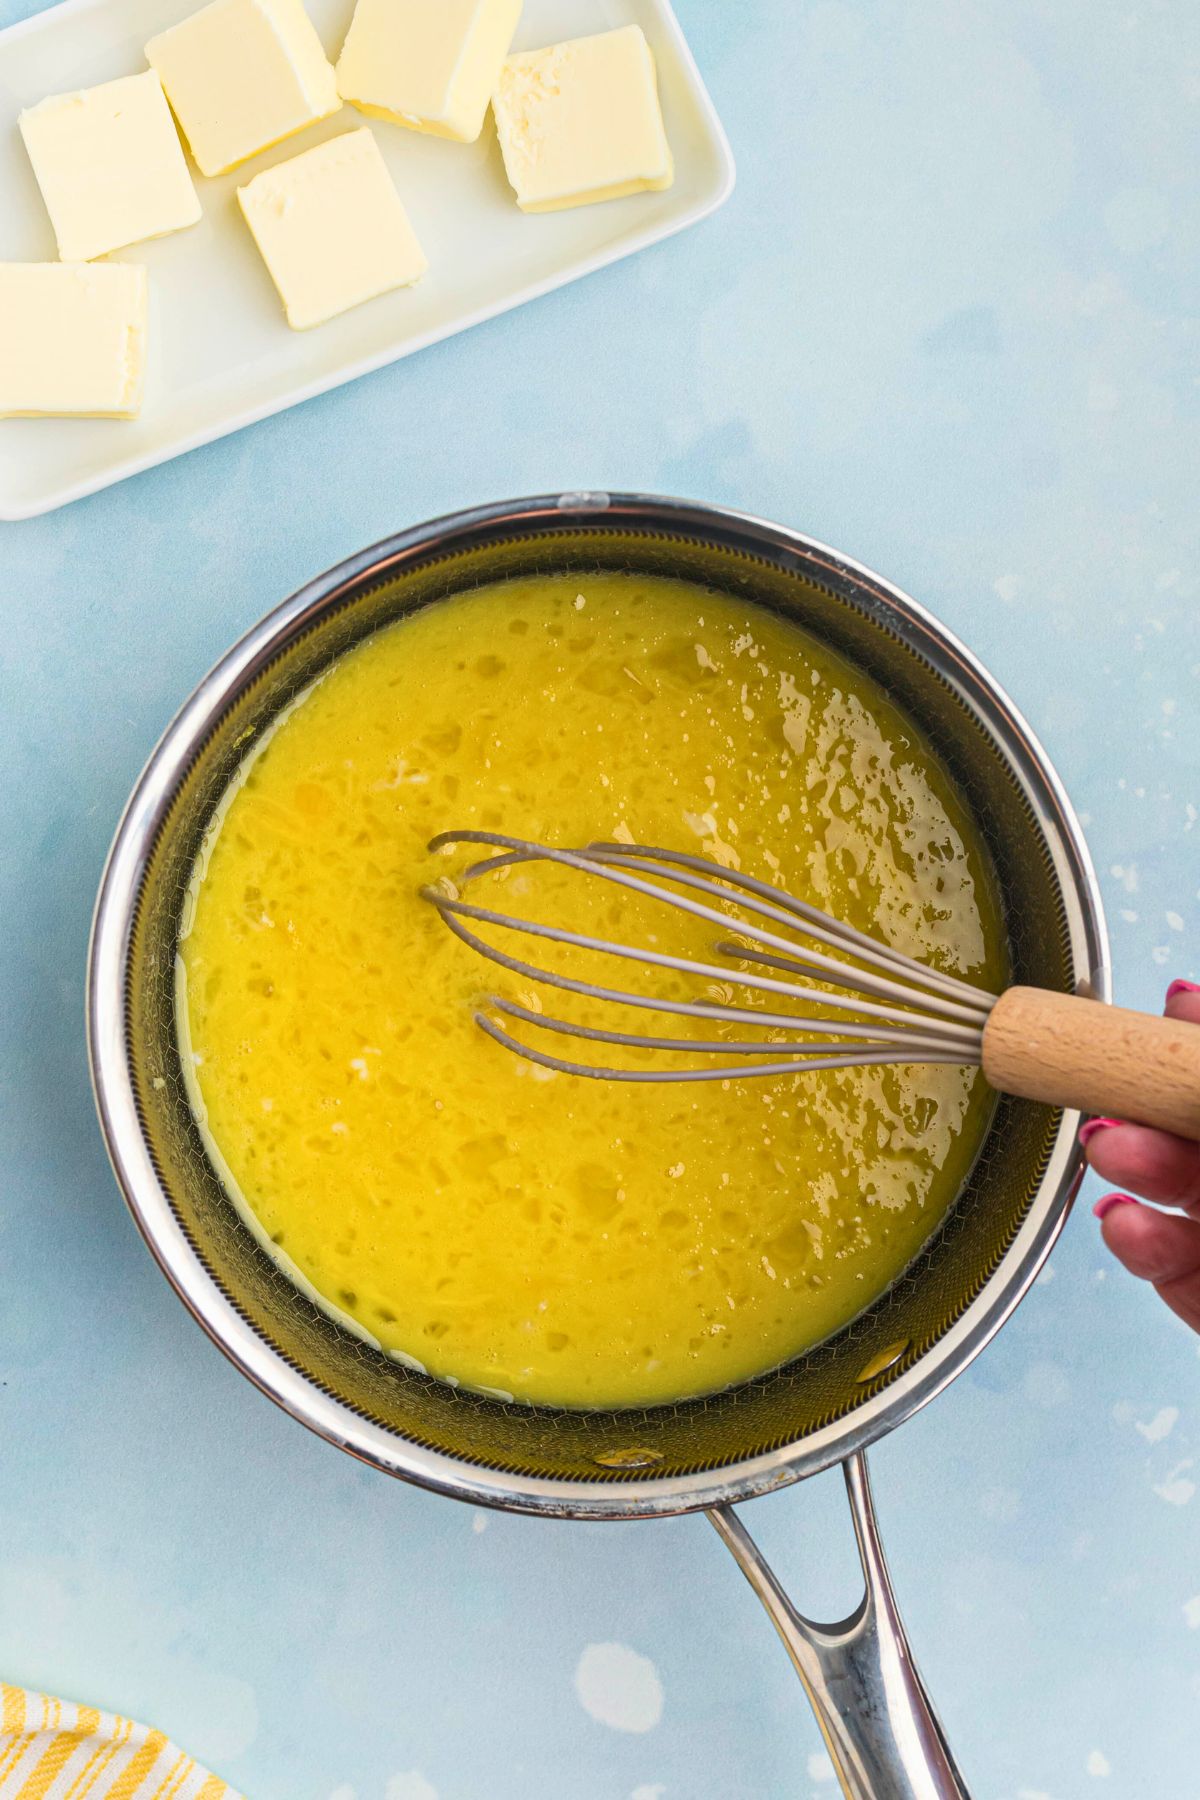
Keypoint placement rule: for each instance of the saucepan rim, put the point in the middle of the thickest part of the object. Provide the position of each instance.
(150, 1205)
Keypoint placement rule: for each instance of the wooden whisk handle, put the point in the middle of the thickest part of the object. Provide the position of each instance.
(1096, 1058)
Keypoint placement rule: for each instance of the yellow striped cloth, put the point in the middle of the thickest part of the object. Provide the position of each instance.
(53, 1750)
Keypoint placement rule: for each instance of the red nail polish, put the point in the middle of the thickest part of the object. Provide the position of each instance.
(1103, 1207)
(1088, 1130)
(1182, 987)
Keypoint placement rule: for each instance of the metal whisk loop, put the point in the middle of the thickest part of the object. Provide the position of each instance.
(916, 1014)
(774, 903)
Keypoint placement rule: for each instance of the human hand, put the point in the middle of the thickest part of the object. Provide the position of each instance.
(1160, 1247)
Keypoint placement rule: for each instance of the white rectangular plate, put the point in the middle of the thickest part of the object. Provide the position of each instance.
(221, 355)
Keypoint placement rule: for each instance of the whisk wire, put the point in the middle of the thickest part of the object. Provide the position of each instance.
(842, 1038)
(904, 992)
(915, 1014)
(660, 959)
(603, 859)
(786, 910)
(910, 1046)
(560, 1065)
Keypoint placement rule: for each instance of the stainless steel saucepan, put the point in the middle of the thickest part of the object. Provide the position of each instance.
(824, 1408)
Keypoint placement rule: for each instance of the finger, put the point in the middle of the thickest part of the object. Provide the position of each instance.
(1183, 1001)
(1157, 1247)
(1151, 1163)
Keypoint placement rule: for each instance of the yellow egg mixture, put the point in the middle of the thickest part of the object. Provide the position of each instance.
(568, 1241)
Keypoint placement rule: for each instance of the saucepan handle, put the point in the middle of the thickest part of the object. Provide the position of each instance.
(879, 1726)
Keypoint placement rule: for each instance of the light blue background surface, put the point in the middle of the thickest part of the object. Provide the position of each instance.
(946, 323)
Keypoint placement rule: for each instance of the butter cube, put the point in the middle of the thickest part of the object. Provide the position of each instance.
(331, 228)
(72, 338)
(241, 75)
(110, 166)
(581, 122)
(427, 64)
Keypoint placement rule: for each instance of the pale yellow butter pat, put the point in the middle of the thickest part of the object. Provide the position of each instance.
(331, 228)
(427, 64)
(581, 122)
(241, 75)
(110, 166)
(72, 339)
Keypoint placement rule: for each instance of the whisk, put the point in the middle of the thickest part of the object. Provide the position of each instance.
(874, 1005)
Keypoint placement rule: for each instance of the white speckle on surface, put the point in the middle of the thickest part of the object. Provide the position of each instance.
(1175, 921)
(1136, 219)
(343, 1793)
(1001, 1504)
(1122, 1412)
(479, 1523)
(1045, 1384)
(1161, 1425)
(1098, 1763)
(1008, 587)
(1127, 876)
(1096, 296)
(1177, 1489)
(1191, 1613)
(1102, 396)
(619, 1687)
(1129, 916)
(1032, 1794)
(832, 30)
(648, 1791)
(820, 1768)
(1161, 954)
(410, 1786)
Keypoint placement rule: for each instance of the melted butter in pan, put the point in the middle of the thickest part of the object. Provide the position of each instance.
(567, 1241)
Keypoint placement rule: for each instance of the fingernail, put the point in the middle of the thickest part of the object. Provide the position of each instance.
(1182, 987)
(1103, 1207)
(1088, 1130)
